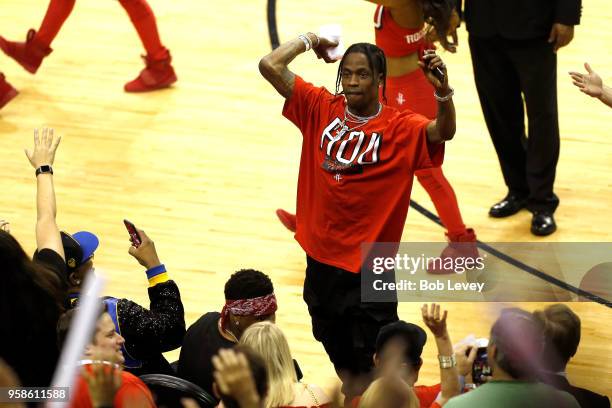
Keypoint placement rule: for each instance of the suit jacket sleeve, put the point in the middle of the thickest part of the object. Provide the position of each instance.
(159, 329)
(568, 12)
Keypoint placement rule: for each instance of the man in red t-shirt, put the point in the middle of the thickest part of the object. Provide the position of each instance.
(356, 171)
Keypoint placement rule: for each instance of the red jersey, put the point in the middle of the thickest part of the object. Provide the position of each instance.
(132, 392)
(353, 186)
(394, 40)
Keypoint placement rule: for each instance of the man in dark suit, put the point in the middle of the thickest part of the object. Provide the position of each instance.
(514, 47)
(562, 336)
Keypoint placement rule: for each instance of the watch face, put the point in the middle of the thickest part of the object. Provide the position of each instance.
(45, 168)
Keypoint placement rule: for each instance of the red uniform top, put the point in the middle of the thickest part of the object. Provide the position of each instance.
(394, 40)
(132, 392)
(355, 188)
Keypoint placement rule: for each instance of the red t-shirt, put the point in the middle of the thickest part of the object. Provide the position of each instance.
(355, 189)
(132, 389)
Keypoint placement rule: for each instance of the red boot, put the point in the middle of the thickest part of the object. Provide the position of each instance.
(460, 246)
(157, 74)
(28, 54)
(7, 92)
(287, 219)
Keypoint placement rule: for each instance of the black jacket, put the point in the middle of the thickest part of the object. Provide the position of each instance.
(149, 333)
(518, 19)
(586, 398)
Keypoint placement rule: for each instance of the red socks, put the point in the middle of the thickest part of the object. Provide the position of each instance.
(143, 20)
(57, 12)
(139, 11)
(444, 199)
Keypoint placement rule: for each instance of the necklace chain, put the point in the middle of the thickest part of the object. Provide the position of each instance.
(358, 120)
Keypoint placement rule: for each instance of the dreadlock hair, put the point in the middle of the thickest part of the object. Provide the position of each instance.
(376, 61)
(438, 13)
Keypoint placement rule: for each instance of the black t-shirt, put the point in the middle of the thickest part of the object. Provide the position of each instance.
(202, 341)
(27, 336)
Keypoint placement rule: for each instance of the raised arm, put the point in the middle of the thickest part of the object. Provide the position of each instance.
(162, 327)
(274, 66)
(449, 378)
(41, 158)
(445, 125)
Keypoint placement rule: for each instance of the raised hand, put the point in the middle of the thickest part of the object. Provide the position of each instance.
(430, 62)
(45, 145)
(465, 359)
(104, 381)
(233, 377)
(591, 84)
(433, 320)
(322, 47)
(145, 253)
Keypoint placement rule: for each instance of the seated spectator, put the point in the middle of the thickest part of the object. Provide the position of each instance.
(270, 343)
(147, 333)
(105, 347)
(515, 346)
(249, 298)
(32, 291)
(562, 336)
(241, 380)
(398, 353)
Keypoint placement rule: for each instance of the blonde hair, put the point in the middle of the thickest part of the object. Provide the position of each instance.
(271, 344)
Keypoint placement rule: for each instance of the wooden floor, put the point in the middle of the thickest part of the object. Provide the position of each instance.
(202, 167)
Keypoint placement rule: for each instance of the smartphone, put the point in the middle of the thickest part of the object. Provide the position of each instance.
(481, 368)
(438, 72)
(134, 237)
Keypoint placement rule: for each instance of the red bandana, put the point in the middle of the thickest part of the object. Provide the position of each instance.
(259, 306)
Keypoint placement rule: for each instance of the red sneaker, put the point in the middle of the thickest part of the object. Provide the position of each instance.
(7, 92)
(157, 74)
(287, 219)
(28, 54)
(460, 246)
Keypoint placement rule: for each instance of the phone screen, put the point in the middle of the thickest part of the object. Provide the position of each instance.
(481, 367)
(134, 237)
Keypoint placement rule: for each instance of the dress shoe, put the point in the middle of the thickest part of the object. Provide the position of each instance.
(28, 54)
(157, 74)
(287, 219)
(463, 245)
(543, 223)
(7, 92)
(508, 206)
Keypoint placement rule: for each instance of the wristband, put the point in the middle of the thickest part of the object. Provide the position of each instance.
(307, 41)
(44, 169)
(447, 361)
(444, 98)
(157, 274)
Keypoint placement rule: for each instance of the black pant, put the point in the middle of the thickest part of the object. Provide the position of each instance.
(504, 72)
(346, 326)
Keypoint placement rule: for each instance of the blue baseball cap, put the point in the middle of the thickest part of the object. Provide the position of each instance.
(79, 247)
